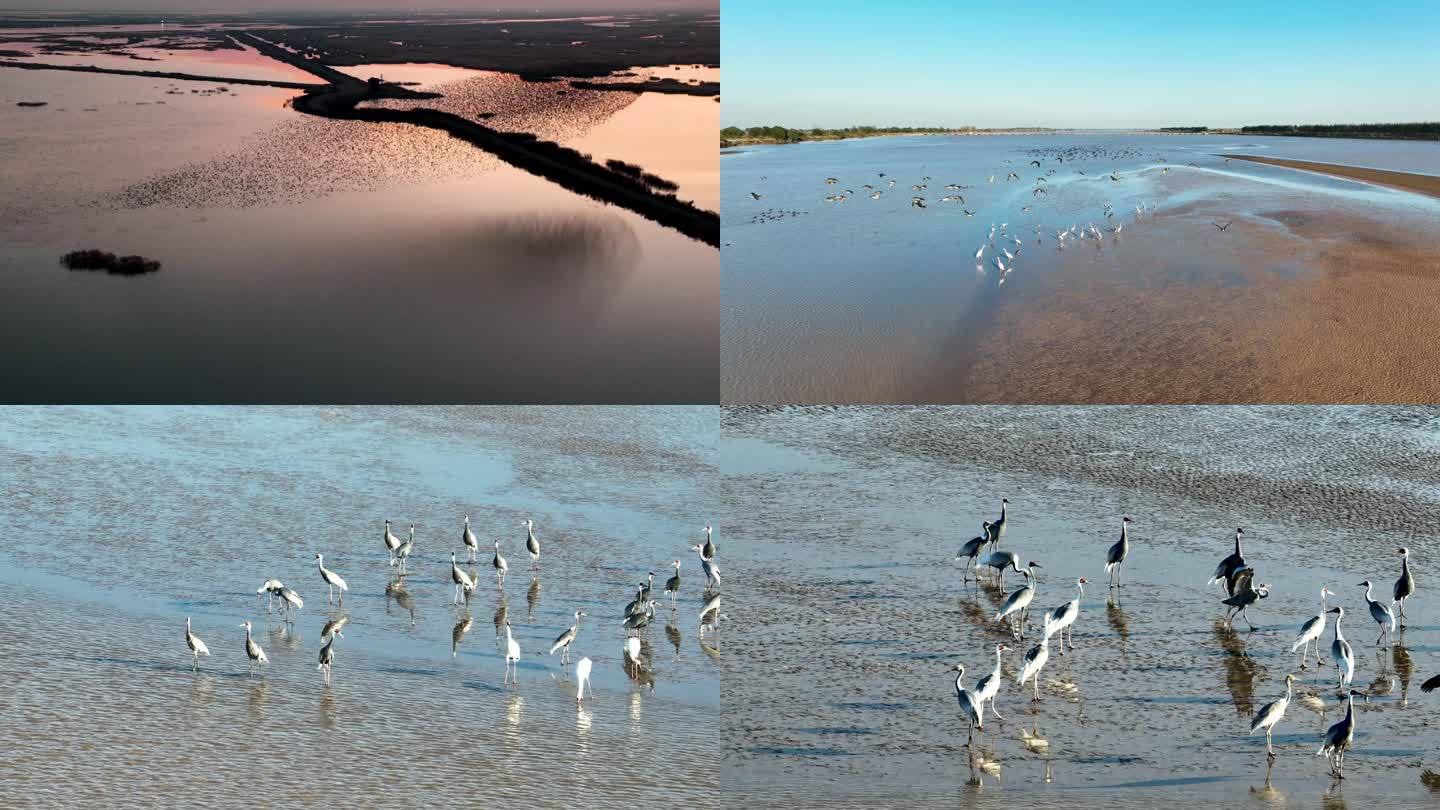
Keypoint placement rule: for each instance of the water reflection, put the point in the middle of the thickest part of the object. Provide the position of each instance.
(672, 633)
(283, 636)
(1116, 616)
(458, 632)
(327, 708)
(532, 598)
(502, 615)
(397, 593)
(334, 624)
(1267, 794)
(202, 689)
(1404, 667)
(257, 696)
(1241, 671)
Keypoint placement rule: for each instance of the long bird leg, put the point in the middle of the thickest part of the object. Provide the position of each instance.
(1269, 748)
(998, 715)
(1246, 614)
(1037, 688)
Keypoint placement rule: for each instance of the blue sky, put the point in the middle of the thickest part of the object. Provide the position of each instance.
(830, 63)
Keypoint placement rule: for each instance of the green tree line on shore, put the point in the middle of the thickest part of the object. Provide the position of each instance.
(776, 134)
(1425, 130)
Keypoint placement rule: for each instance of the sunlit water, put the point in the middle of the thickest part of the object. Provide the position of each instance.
(843, 525)
(873, 300)
(335, 260)
(120, 523)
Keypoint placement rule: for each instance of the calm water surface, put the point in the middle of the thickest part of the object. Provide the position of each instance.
(314, 259)
(844, 525)
(120, 523)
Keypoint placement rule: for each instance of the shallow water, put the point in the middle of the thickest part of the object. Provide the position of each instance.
(119, 523)
(843, 525)
(876, 301)
(436, 272)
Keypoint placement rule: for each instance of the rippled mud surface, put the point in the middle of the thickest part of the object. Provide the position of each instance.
(120, 523)
(844, 523)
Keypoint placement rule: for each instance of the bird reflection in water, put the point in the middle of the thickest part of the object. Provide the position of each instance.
(502, 615)
(514, 710)
(672, 633)
(1116, 616)
(1267, 794)
(458, 633)
(202, 688)
(532, 598)
(1404, 667)
(1241, 671)
(334, 624)
(258, 689)
(1334, 797)
(284, 636)
(327, 708)
(711, 647)
(637, 713)
(397, 592)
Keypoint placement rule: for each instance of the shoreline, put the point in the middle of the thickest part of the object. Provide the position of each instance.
(1419, 183)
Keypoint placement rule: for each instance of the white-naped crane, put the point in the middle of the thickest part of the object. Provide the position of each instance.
(972, 548)
(969, 705)
(1225, 571)
(499, 564)
(468, 538)
(1340, 651)
(565, 639)
(1246, 594)
(1270, 715)
(253, 651)
(1405, 585)
(1117, 554)
(1380, 612)
(391, 542)
(1339, 737)
(1311, 631)
(532, 546)
(197, 647)
(464, 584)
(332, 579)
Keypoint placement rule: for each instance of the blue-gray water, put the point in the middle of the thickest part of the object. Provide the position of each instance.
(118, 523)
(875, 301)
(842, 525)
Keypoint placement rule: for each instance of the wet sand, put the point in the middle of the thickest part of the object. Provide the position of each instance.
(842, 524)
(1423, 183)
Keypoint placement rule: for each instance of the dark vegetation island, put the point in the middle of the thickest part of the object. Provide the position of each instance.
(735, 136)
(114, 265)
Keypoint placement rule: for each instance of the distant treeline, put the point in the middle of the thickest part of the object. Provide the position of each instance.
(1184, 129)
(787, 135)
(1429, 131)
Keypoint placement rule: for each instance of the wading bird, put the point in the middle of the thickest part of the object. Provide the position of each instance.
(969, 704)
(1018, 601)
(988, 687)
(290, 600)
(1340, 651)
(1405, 585)
(463, 583)
(1000, 560)
(1225, 571)
(403, 552)
(997, 528)
(972, 549)
(1311, 631)
(582, 678)
(1035, 660)
(327, 654)
(672, 585)
(197, 647)
(1066, 614)
(707, 551)
(632, 652)
(1270, 714)
(532, 546)
(391, 542)
(332, 579)
(563, 641)
(1246, 594)
(1339, 736)
(1380, 613)
(253, 651)
(468, 538)
(499, 564)
(512, 655)
(1115, 557)
(270, 587)
(1221, 227)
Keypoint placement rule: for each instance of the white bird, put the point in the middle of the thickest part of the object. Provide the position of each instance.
(989, 686)
(270, 588)
(1000, 560)
(1341, 652)
(563, 641)
(499, 564)
(1018, 601)
(712, 605)
(463, 583)
(632, 651)
(1270, 714)
(197, 647)
(980, 251)
(582, 677)
(1311, 631)
(969, 704)
(512, 654)
(468, 538)
(1339, 736)
(1382, 614)
(1066, 615)
(391, 542)
(253, 651)
(332, 579)
(1035, 660)
(708, 566)
(532, 546)
(291, 600)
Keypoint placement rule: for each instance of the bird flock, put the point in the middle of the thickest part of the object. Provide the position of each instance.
(1233, 574)
(634, 619)
(1002, 245)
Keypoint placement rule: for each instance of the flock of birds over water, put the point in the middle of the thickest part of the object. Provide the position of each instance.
(635, 618)
(1235, 575)
(1002, 245)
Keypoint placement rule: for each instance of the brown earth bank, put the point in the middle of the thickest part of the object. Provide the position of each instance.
(1423, 183)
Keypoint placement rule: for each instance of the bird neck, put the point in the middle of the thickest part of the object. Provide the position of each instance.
(1237, 544)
